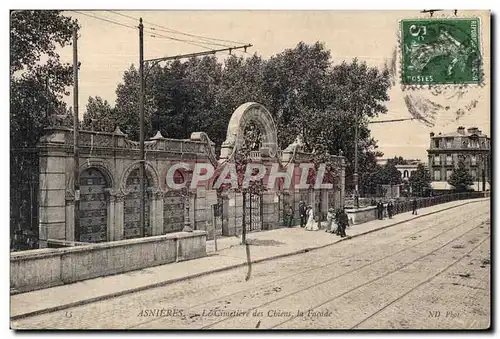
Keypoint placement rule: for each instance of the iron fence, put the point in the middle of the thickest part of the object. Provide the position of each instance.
(407, 204)
(24, 182)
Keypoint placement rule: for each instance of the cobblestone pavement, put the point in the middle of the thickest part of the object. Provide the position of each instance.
(431, 272)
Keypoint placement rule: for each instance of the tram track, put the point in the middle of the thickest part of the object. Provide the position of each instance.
(383, 246)
(433, 226)
(330, 280)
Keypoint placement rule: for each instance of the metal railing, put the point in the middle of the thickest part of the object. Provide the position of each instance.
(407, 205)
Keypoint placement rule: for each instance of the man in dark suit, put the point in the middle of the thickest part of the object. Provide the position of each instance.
(380, 210)
(343, 223)
(390, 209)
(303, 214)
(414, 206)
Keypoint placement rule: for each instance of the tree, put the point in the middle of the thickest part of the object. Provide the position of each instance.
(126, 112)
(38, 82)
(381, 175)
(460, 178)
(304, 92)
(397, 161)
(37, 87)
(420, 181)
(99, 116)
(391, 175)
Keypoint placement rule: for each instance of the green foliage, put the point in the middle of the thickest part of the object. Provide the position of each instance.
(38, 82)
(304, 92)
(420, 181)
(381, 175)
(397, 161)
(99, 116)
(460, 179)
(37, 87)
(126, 111)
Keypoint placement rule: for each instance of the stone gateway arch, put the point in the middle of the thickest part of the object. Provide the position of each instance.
(108, 170)
(250, 112)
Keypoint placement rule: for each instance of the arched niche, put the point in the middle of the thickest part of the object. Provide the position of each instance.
(250, 112)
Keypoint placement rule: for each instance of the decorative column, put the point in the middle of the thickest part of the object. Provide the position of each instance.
(111, 217)
(119, 215)
(342, 186)
(324, 201)
(70, 221)
(225, 213)
(188, 199)
(156, 213)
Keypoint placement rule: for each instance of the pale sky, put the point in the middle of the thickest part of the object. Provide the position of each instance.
(106, 50)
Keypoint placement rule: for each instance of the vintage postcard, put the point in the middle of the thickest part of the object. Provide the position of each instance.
(254, 170)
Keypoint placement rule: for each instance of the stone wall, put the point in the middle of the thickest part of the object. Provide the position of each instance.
(43, 268)
(109, 184)
(362, 214)
(114, 158)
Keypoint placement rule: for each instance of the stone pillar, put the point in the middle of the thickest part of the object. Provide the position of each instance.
(201, 211)
(270, 217)
(324, 201)
(225, 214)
(119, 216)
(52, 204)
(342, 188)
(156, 213)
(111, 217)
(70, 219)
(238, 214)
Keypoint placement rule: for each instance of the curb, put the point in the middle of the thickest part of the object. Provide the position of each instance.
(226, 268)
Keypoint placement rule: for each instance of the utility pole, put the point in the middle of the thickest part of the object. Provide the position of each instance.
(141, 122)
(355, 176)
(142, 76)
(76, 159)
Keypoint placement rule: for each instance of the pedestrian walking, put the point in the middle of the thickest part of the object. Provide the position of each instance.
(303, 214)
(390, 210)
(289, 214)
(343, 222)
(311, 221)
(414, 206)
(331, 221)
(380, 208)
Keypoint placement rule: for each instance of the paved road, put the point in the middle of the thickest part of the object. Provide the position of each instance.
(430, 273)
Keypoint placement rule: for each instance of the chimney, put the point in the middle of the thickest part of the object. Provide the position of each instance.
(472, 130)
(432, 134)
(461, 130)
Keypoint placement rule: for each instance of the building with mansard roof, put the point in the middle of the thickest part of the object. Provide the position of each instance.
(471, 146)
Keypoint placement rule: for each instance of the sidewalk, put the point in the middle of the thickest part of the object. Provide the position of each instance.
(266, 245)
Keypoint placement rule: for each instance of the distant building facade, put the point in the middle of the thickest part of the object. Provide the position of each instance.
(409, 168)
(406, 169)
(470, 146)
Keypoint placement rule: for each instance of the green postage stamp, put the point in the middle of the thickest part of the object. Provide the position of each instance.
(440, 51)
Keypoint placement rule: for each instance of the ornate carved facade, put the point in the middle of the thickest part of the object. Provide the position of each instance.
(109, 184)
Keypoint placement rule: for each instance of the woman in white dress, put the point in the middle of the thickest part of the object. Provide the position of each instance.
(331, 222)
(311, 223)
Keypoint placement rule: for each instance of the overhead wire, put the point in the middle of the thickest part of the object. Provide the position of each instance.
(193, 41)
(156, 35)
(104, 19)
(169, 30)
(180, 40)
